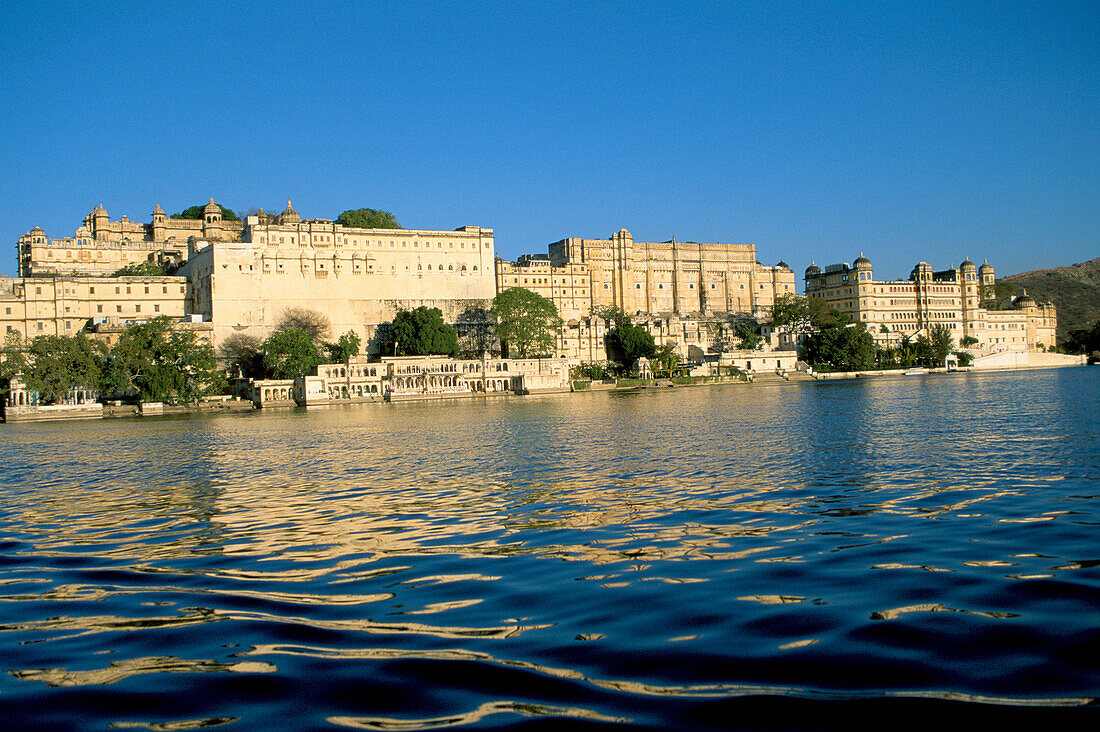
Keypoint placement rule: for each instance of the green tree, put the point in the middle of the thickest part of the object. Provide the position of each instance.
(368, 218)
(1083, 340)
(629, 342)
(140, 269)
(790, 310)
(666, 357)
(965, 359)
(747, 332)
(56, 364)
(345, 348)
(290, 353)
(13, 355)
(804, 314)
(422, 332)
(162, 363)
(941, 342)
(197, 212)
(922, 351)
(846, 348)
(612, 315)
(526, 322)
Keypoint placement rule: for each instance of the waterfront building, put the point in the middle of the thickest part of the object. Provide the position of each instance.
(568, 286)
(18, 404)
(65, 305)
(101, 246)
(357, 278)
(681, 292)
(673, 277)
(243, 276)
(960, 299)
(406, 378)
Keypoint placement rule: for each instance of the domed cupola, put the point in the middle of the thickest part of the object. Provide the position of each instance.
(861, 262)
(289, 215)
(1025, 301)
(211, 212)
(813, 270)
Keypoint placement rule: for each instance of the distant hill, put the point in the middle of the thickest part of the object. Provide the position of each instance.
(1074, 290)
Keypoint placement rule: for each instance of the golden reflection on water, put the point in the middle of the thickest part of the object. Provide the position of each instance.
(90, 624)
(718, 690)
(121, 670)
(485, 710)
(326, 492)
(183, 724)
(934, 607)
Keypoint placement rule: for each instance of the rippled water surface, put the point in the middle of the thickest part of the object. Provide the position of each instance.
(790, 556)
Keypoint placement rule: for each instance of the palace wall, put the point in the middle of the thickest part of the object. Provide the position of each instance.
(34, 306)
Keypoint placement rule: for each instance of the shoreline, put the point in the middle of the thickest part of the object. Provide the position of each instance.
(222, 406)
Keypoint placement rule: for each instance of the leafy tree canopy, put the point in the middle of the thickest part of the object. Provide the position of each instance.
(56, 364)
(316, 325)
(965, 359)
(940, 343)
(12, 355)
(368, 218)
(846, 348)
(747, 332)
(346, 347)
(804, 314)
(290, 353)
(611, 314)
(422, 332)
(140, 269)
(667, 358)
(162, 363)
(628, 342)
(1084, 340)
(526, 322)
(196, 212)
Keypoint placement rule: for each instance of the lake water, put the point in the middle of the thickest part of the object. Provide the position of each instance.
(795, 556)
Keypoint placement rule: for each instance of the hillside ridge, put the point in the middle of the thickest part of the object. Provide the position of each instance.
(1074, 289)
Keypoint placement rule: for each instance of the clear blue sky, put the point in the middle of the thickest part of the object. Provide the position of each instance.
(907, 131)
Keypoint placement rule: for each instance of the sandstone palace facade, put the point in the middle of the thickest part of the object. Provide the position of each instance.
(101, 246)
(962, 299)
(358, 278)
(241, 276)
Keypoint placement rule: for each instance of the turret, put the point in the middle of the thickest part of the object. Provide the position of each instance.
(99, 222)
(862, 266)
(988, 280)
(158, 223)
(211, 213)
